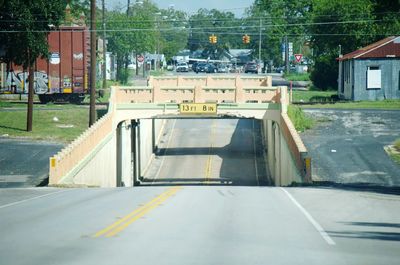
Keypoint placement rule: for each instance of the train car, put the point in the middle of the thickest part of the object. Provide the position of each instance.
(64, 76)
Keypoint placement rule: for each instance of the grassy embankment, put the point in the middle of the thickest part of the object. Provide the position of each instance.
(394, 151)
(50, 122)
(300, 120)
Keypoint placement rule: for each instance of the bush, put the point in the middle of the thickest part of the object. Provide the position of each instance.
(325, 72)
(300, 120)
(397, 144)
(123, 76)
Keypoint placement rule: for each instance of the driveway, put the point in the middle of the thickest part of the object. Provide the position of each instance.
(347, 146)
(24, 163)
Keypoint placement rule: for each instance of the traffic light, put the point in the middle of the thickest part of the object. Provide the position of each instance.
(246, 39)
(213, 39)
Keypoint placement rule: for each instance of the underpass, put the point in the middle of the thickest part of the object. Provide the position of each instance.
(211, 152)
(119, 148)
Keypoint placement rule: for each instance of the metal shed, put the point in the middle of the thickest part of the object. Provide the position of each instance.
(372, 72)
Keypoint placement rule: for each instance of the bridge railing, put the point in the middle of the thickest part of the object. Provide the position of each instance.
(218, 89)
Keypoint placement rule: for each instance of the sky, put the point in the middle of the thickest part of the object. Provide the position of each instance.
(191, 6)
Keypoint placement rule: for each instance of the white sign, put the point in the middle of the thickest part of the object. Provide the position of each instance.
(55, 58)
(374, 78)
(78, 56)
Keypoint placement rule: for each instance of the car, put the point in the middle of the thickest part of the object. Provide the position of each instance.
(251, 68)
(222, 68)
(206, 68)
(194, 66)
(182, 67)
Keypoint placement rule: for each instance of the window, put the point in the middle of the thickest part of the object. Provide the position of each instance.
(374, 77)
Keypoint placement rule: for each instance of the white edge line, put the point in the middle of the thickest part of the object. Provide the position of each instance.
(30, 199)
(166, 148)
(255, 154)
(316, 225)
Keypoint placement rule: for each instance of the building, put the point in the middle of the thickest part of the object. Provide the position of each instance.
(372, 72)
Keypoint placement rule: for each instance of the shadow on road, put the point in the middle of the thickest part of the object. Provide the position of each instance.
(243, 162)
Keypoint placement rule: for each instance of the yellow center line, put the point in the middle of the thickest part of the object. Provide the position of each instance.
(123, 223)
(209, 160)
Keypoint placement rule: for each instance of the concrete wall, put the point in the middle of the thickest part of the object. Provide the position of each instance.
(287, 158)
(111, 163)
(99, 169)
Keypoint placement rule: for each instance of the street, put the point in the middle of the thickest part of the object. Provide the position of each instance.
(222, 215)
(24, 163)
(347, 146)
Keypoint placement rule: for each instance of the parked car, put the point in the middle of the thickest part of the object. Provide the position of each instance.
(222, 68)
(251, 68)
(182, 67)
(170, 67)
(206, 68)
(194, 66)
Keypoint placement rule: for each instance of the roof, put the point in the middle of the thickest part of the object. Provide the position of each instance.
(386, 48)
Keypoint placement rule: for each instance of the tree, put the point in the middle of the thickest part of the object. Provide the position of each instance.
(134, 32)
(387, 16)
(173, 32)
(207, 22)
(349, 24)
(24, 26)
(279, 18)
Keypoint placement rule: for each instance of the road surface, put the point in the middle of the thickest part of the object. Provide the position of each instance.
(24, 163)
(347, 147)
(241, 222)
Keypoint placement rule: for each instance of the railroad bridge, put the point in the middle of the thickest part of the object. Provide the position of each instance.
(111, 153)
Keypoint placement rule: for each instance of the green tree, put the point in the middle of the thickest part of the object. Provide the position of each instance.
(133, 33)
(341, 24)
(222, 24)
(387, 16)
(173, 37)
(279, 18)
(24, 26)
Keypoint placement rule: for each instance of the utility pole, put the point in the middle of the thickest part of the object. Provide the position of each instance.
(104, 47)
(286, 54)
(259, 43)
(127, 8)
(92, 111)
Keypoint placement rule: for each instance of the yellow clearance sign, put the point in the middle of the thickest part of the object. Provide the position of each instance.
(198, 108)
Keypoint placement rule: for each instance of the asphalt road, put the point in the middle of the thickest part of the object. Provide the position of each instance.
(348, 146)
(240, 222)
(201, 151)
(24, 163)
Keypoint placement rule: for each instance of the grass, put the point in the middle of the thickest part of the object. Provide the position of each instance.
(157, 72)
(396, 156)
(300, 120)
(71, 123)
(394, 152)
(309, 96)
(379, 105)
(297, 77)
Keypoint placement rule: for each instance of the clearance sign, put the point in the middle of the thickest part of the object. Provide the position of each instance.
(198, 108)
